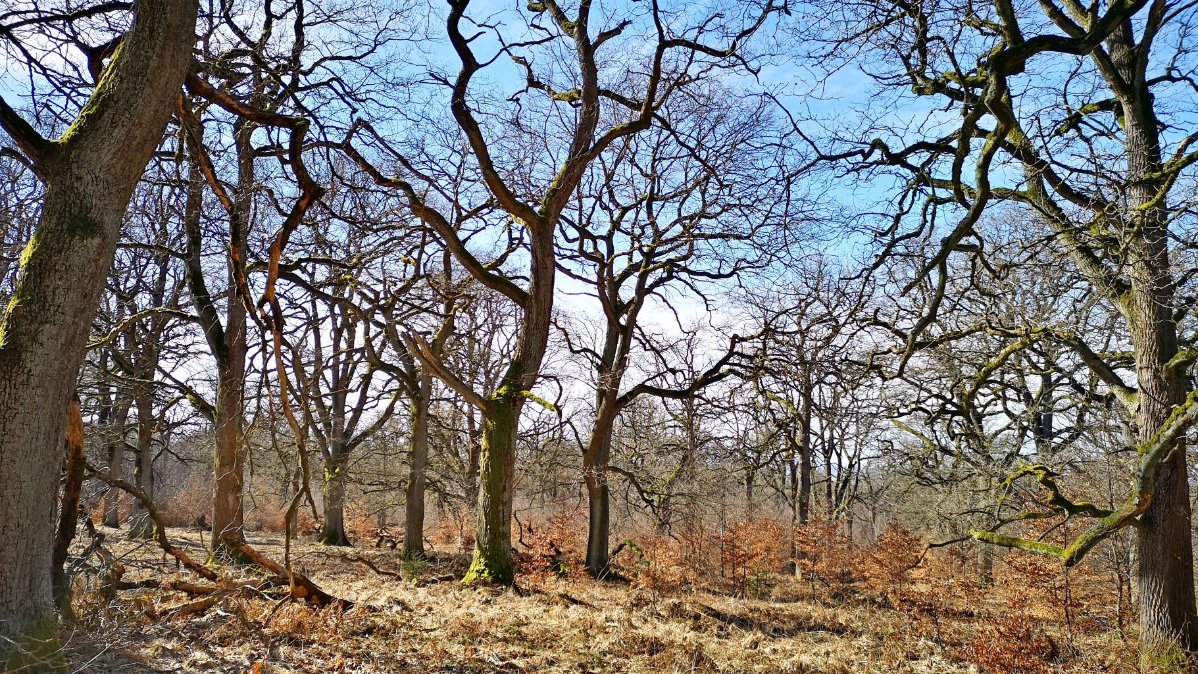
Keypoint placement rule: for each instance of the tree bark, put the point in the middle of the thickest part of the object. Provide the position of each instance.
(228, 513)
(68, 510)
(1168, 620)
(594, 464)
(413, 541)
(89, 175)
(333, 530)
(141, 526)
(492, 561)
(805, 466)
(230, 347)
(116, 460)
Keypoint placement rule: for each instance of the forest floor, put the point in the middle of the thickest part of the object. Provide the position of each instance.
(422, 620)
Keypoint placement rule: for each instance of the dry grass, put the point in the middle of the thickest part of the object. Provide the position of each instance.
(928, 622)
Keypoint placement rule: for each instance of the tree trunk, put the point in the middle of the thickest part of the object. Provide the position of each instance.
(805, 467)
(1168, 620)
(68, 511)
(333, 530)
(594, 465)
(116, 461)
(141, 526)
(1166, 557)
(413, 540)
(89, 177)
(750, 492)
(228, 514)
(492, 562)
(474, 438)
(227, 343)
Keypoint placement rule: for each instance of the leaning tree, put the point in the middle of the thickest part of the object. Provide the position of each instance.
(88, 174)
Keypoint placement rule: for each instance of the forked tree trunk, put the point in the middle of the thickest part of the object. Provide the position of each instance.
(227, 342)
(89, 177)
(413, 540)
(492, 561)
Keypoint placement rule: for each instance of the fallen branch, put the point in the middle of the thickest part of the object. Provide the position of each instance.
(301, 586)
(372, 566)
(159, 524)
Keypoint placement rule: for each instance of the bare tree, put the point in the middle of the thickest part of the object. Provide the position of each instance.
(89, 174)
(679, 209)
(680, 53)
(1096, 166)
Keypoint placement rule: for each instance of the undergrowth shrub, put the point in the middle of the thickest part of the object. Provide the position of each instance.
(888, 565)
(752, 554)
(1013, 643)
(656, 562)
(552, 548)
(825, 556)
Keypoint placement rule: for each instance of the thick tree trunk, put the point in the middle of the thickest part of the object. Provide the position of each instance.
(1168, 620)
(333, 530)
(492, 562)
(598, 560)
(413, 541)
(89, 177)
(1166, 556)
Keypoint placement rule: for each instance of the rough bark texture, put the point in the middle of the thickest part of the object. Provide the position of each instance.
(413, 541)
(492, 561)
(1166, 556)
(594, 464)
(229, 346)
(89, 175)
(1168, 620)
(228, 514)
(333, 530)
